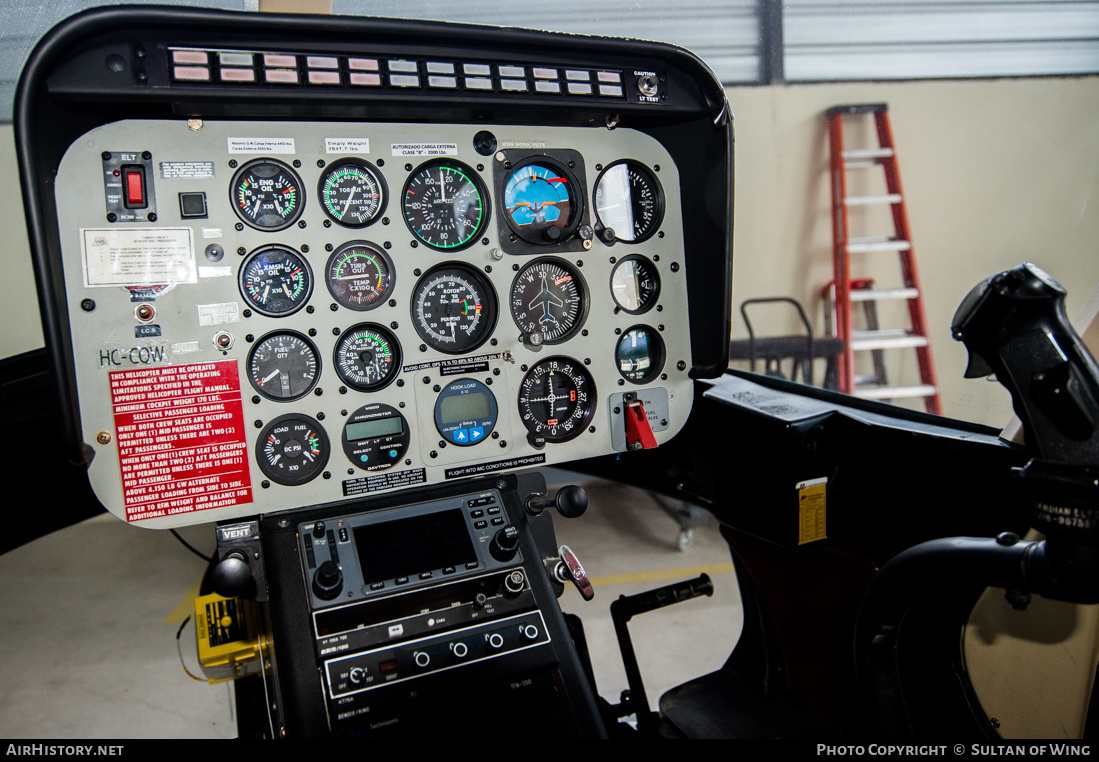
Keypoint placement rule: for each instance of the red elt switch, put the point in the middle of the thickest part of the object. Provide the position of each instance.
(133, 182)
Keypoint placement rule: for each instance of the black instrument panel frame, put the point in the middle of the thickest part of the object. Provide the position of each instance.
(65, 90)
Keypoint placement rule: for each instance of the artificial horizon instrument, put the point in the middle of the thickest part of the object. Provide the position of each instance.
(343, 286)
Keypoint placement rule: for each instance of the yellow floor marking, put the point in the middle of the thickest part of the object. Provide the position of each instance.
(185, 607)
(660, 575)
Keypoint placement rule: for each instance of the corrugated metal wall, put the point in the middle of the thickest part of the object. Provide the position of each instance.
(825, 40)
(743, 41)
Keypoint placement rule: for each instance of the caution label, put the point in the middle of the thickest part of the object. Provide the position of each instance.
(812, 513)
(181, 439)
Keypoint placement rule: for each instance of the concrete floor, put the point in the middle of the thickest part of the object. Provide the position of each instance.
(89, 616)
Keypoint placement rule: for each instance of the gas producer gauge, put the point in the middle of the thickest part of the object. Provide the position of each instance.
(367, 357)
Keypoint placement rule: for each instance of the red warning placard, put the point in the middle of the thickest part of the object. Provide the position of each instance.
(181, 439)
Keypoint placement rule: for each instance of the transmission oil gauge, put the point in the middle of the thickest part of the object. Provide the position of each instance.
(367, 357)
(359, 276)
(556, 400)
(292, 449)
(549, 298)
(453, 308)
(445, 204)
(267, 195)
(275, 281)
(283, 366)
(352, 194)
(629, 201)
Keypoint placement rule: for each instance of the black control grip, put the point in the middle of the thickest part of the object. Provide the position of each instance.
(1014, 325)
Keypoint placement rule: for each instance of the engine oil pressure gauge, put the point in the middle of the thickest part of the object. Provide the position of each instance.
(267, 195)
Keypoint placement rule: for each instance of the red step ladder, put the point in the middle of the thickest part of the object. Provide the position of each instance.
(846, 289)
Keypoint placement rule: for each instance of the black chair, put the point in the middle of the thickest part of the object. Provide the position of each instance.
(798, 351)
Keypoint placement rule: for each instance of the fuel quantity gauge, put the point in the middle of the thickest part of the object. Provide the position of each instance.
(367, 357)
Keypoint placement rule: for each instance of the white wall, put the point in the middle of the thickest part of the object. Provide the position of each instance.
(996, 172)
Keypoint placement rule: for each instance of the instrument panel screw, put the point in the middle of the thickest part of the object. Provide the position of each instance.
(681, 365)
(88, 305)
(103, 437)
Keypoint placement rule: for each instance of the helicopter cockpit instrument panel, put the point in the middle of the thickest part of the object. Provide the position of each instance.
(337, 287)
(302, 268)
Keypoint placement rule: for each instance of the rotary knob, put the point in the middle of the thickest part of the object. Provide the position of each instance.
(505, 544)
(327, 581)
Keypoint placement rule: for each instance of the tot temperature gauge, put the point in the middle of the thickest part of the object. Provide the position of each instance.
(359, 276)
